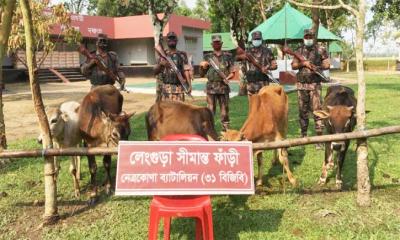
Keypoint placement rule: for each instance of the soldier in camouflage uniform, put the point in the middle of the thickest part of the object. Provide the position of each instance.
(94, 73)
(257, 79)
(217, 88)
(172, 88)
(309, 83)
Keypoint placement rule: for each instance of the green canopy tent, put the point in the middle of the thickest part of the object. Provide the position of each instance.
(226, 39)
(289, 23)
(334, 47)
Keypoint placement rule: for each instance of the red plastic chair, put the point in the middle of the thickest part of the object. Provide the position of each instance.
(166, 207)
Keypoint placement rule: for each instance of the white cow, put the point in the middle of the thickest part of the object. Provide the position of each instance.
(65, 132)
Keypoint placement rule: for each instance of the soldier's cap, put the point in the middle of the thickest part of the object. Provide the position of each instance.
(308, 32)
(257, 35)
(216, 38)
(172, 35)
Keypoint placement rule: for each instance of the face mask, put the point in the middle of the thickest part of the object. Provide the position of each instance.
(308, 42)
(172, 44)
(217, 46)
(256, 43)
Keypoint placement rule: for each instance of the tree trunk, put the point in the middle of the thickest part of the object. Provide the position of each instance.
(6, 19)
(262, 10)
(50, 211)
(315, 20)
(363, 182)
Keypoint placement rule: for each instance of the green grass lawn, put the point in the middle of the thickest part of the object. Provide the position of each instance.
(306, 212)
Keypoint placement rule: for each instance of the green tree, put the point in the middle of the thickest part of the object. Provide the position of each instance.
(183, 10)
(76, 6)
(30, 30)
(357, 9)
(201, 10)
(7, 11)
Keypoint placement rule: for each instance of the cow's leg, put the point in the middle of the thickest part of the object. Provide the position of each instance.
(283, 158)
(259, 156)
(328, 157)
(57, 166)
(275, 158)
(107, 166)
(93, 170)
(340, 160)
(78, 165)
(73, 172)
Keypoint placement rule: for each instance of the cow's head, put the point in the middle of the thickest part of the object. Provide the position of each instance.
(231, 135)
(338, 119)
(116, 127)
(56, 120)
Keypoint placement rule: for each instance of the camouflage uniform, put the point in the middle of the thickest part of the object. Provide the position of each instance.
(171, 88)
(216, 89)
(255, 78)
(97, 76)
(309, 88)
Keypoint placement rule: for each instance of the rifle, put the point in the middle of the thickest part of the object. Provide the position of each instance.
(160, 50)
(220, 73)
(254, 61)
(103, 67)
(313, 68)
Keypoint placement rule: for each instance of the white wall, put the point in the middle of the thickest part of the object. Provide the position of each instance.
(191, 41)
(134, 50)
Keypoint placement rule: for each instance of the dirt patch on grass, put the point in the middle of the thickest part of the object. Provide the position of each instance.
(21, 120)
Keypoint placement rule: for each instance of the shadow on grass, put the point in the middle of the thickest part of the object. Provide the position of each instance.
(229, 222)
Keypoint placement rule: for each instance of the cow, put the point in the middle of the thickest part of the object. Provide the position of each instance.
(102, 123)
(338, 113)
(64, 129)
(267, 121)
(168, 117)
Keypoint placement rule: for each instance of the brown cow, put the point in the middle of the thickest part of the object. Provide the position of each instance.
(267, 121)
(102, 124)
(167, 117)
(339, 117)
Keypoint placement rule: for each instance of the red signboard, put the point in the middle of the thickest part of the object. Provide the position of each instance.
(184, 168)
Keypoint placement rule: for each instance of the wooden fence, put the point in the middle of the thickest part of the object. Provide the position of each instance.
(256, 146)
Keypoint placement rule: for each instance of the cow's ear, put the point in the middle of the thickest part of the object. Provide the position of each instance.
(104, 117)
(77, 109)
(321, 114)
(113, 117)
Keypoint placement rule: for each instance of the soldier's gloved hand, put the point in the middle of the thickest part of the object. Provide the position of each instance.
(204, 64)
(307, 64)
(265, 69)
(164, 63)
(92, 62)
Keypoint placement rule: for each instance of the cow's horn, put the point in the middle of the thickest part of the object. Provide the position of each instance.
(329, 107)
(129, 115)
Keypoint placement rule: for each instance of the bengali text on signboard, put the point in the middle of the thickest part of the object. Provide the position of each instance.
(184, 168)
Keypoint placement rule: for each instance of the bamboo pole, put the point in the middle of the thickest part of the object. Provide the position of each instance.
(50, 184)
(327, 138)
(256, 146)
